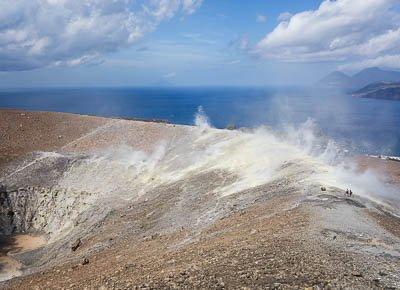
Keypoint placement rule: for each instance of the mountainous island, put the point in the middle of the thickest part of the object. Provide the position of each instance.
(381, 90)
(369, 83)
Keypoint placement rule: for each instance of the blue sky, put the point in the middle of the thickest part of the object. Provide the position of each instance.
(194, 43)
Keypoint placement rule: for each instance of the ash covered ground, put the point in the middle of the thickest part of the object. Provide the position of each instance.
(124, 204)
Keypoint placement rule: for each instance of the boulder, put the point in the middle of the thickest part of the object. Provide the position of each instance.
(75, 245)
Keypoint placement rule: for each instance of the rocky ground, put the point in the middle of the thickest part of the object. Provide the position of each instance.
(175, 221)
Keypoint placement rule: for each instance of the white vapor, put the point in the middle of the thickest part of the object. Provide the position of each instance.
(37, 33)
(201, 119)
(296, 157)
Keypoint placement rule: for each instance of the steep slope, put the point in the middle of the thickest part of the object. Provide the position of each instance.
(24, 132)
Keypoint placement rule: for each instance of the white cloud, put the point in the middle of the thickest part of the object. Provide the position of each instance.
(169, 75)
(236, 61)
(37, 33)
(285, 16)
(190, 6)
(339, 30)
(260, 18)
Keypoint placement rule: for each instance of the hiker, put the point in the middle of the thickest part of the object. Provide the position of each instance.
(347, 192)
(350, 193)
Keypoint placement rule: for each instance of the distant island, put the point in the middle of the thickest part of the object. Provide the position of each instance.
(336, 80)
(369, 83)
(381, 90)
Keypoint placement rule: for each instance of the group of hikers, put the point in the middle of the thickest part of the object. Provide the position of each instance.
(349, 192)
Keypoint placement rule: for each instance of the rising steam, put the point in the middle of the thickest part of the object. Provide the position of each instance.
(301, 156)
(201, 119)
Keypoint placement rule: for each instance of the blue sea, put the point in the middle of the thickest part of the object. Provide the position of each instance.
(363, 125)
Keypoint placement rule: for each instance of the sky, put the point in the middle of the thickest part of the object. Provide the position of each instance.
(74, 43)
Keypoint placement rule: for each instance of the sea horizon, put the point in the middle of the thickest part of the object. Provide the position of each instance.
(353, 122)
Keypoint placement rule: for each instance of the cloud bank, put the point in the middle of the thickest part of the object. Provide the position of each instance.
(38, 33)
(355, 31)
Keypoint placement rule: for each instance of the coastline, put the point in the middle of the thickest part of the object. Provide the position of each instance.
(383, 157)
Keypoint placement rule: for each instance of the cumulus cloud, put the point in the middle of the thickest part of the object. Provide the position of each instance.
(339, 30)
(37, 33)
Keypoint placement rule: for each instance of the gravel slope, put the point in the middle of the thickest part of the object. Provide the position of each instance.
(171, 224)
